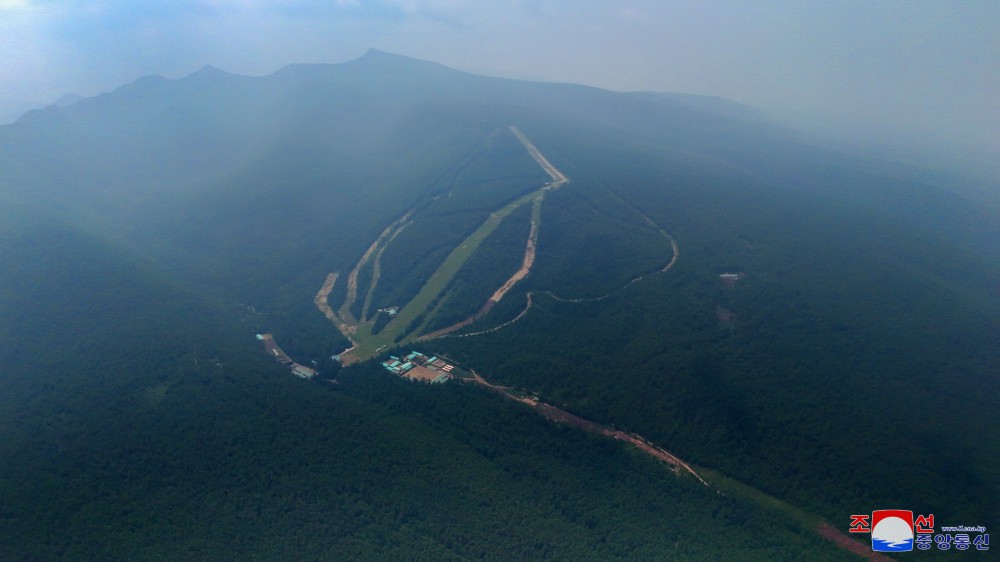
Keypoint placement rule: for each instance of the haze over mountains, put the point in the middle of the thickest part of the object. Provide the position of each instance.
(148, 233)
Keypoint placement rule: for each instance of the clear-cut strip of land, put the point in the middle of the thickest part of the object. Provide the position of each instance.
(366, 344)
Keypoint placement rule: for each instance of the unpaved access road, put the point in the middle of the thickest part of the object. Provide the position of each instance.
(557, 415)
(558, 178)
(526, 263)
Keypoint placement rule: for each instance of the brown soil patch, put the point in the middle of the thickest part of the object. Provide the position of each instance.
(475, 317)
(352, 278)
(526, 263)
(419, 373)
(321, 300)
(827, 531)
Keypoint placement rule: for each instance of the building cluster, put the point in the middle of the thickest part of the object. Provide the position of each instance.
(272, 349)
(417, 366)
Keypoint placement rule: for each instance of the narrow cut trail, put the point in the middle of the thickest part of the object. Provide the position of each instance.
(666, 268)
(323, 296)
(377, 272)
(714, 480)
(398, 330)
(558, 180)
(497, 328)
(352, 278)
(558, 415)
(676, 253)
(529, 256)
(447, 331)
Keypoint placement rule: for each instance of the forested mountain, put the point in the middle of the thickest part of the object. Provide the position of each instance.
(147, 234)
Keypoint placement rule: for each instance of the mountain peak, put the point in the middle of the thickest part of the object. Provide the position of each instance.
(209, 70)
(373, 55)
(382, 58)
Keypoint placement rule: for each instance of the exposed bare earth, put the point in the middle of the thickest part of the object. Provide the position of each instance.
(828, 532)
(377, 272)
(558, 415)
(561, 416)
(558, 178)
(458, 326)
(352, 278)
(521, 315)
(321, 300)
(527, 262)
(443, 333)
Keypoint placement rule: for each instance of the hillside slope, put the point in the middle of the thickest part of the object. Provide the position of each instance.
(146, 234)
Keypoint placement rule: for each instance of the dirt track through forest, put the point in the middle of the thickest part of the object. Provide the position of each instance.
(558, 415)
(377, 272)
(558, 179)
(321, 300)
(673, 260)
(352, 278)
(668, 267)
(495, 328)
(526, 263)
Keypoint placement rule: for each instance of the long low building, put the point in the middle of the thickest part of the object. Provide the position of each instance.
(272, 349)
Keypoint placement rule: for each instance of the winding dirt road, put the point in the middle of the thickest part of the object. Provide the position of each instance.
(468, 321)
(666, 268)
(557, 415)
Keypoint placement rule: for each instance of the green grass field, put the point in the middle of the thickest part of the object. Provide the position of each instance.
(368, 344)
(444, 274)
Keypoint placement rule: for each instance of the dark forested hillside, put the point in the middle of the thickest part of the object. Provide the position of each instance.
(848, 363)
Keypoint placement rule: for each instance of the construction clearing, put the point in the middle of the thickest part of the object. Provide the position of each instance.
(407, 321)
(273, 350)
(418, 367)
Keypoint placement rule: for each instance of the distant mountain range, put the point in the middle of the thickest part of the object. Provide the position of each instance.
(148, 233)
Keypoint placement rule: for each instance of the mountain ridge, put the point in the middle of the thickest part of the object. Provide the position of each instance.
(814, 291)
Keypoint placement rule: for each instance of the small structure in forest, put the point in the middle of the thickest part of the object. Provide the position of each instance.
(272, 349)
(730, 279)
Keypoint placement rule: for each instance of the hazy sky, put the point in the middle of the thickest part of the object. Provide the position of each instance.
(924, 69)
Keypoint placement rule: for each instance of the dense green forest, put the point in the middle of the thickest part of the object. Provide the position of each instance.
(841, 322)
(593, 243)
(147, 234)
(166, 433)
